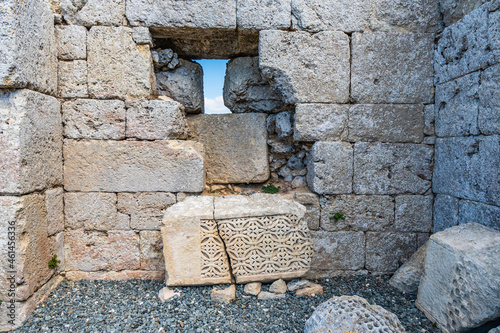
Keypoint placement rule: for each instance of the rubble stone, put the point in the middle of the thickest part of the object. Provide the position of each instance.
(314, 290)
(72, 79)
(298, 284)
(278, 287)
(267, 296)
(166, 294)
(252, 288)
(316, 122)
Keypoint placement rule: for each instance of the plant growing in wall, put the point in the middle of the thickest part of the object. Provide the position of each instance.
(338, 216)
(270, 188)
(54, 262)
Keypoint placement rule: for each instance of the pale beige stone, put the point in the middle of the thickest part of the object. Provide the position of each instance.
(146, 209)
(72, 79)
(115, 276)
(226, 295)
(54, 206)
(152, 251)
(252, 288)
(278, 287)
(56, 246)
(314, 290)
(71, 42)
(94, 12)
(166, 294)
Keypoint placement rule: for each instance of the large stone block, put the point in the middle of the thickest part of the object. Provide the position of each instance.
(94, 119)
(460, 288)
(468, 168)
(361, 212)
(386, 123)
(72, 79)
(263, 15)
(392, 68)
(429, 119)
(406, 15)
(30, 141)
(183, 84)
(397, 168)
(457, 106)
(28, 50)
(54, 205)
(453, 10)
(330, 168)
(71, 42)
(156, 120)
(413, 213)
(245, 90)
(312, 204)
(307, 68)
(315, 122)
(471, 211)
(152, 251)
(343, 250)
(203, 14)
(445, 212)
(92, 251)
(145, 209)
(133, 166)
(94, 12)
(386, 251)
(117, 67)
(489, 101)
(235, 146)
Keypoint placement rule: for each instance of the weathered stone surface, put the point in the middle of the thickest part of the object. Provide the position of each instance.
(28, 50)
(117, 67)
(283, 125)
(397, 168)
(165, 59)
(386, 123)
(406, 15)
(56, 246)
(494, 29)
(267, 296)
(361, 212)
(407, 277)
(203, 14)
(495, 330)
(72, 79)
(71, 42)
(156, 120)
(330, 168)
(306, 68)
(429, 119)
(413, 213)
(141, 35)
(455, 10)
(184, 84)
(245, 90)
(152, 251)
(272, 14)
(252, 288)
(54, 205)
(133, 166)
(115, 276)
(93, 12)
(92, 251)
(386, 251)
(445, 212)
(489, 101)
(458, 105)
(298, 284)
(460, 288)
(94, 119)
(315, 122)
(235, 146)
(278, 287)
(315, 16)
(311, 202)
(392, 68)
(468, 168)
(145, 209)
(352, 314)
(471, 211)
(30, 141)
(343, 250)
(314, 290)
(93, 211)
(166, 294)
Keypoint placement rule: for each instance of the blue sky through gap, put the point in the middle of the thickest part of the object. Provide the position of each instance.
(213, 82)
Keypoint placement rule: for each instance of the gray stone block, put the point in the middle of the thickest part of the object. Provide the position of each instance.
(445, 212)
(494, 30)
(263, 15)
(429, 119)
(472, 211)
(316, 122)
(406, 15)
(489, 101)
(386, 251)
(453, 10)
(94, 12)
(71, 42)
(330, 168)
(392, 68)
(386, 123)
(392, 168)
(413, 213)
(407, 277)
(343, 250)
(72, 79)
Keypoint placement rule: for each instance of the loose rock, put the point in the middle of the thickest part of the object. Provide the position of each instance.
(226, 295)
(266, 296)
(278, 287)
(314, 290)
(253, 288)
(166, 293)
(298, 284)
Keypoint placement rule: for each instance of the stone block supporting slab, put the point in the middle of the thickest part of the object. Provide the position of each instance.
(94, 12)
(145, 209)
(30, 142)
(133, 166)
(263, 15)
(316, 122)
(386, 251)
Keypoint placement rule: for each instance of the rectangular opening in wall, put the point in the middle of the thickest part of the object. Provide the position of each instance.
(214, 71)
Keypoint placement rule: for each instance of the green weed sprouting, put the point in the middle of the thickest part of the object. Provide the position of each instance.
(54, 262)
(338, 216)
(270, 188)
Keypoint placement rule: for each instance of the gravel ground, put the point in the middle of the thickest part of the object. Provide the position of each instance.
(133, 306)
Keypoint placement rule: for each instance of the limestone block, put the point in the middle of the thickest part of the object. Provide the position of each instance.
(311, 202)
(93, 12)
(406, 15)
(316, 122)
(235, 146)
(93, 211)
(92, 251)
(72, 79)
(445, 212)
(54, 205)
(146, 209)
(330, 168)
(152, 251)
(142, 35)
(386, 123)
(352, 314)
(392, 68)
(486, 215)
(193, 250)
(429, 119)
(183, 84)
(489, 101)
(468, 168)
(71, 42)
(361, 212)
(306, 68)
(94, 119)
(460, 287)
(392, 168)
(30, 141)
(342, 250)
(455, 10)
(413, 213)
(407, 277)
(458, 105)
(117, 67)
(202, 14)
(23, 220)
(156, 120)
(315, 16)
(28, 50)
(263, 15)
(245, 90)
(386, 251)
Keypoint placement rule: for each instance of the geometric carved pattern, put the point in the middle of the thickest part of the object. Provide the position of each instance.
(214, 263)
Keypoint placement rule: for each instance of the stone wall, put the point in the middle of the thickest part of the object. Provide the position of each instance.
(467, 62)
